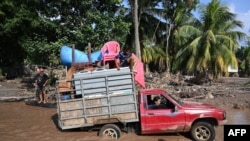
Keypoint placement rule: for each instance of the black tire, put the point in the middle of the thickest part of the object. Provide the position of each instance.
(110, 131)
(203, 131)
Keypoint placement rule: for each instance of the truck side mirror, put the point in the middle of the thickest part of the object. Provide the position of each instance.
(175, 108)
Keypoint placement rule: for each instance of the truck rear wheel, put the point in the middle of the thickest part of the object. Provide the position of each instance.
(110, 131)
(203, 131)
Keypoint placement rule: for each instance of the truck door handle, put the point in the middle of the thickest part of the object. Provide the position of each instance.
(150, 113)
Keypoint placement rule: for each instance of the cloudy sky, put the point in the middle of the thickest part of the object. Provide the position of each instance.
(241, 8)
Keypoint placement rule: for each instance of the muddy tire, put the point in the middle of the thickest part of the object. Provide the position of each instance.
(111, 131)
(203, 131)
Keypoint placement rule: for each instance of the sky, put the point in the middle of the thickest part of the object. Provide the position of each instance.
(242, 10)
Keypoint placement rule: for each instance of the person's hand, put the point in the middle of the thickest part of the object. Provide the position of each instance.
(118, 68)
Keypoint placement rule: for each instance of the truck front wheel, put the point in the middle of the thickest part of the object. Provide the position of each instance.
(110, 131)
(203, 131)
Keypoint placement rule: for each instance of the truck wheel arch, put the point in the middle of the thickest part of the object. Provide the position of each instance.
(212, 121)
(107, 121)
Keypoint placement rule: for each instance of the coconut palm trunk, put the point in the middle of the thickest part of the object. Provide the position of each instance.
(136, 26)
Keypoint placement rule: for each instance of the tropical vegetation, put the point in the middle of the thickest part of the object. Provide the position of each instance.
(164, 34)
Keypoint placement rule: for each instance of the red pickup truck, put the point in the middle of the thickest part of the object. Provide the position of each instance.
(178, 116)
(108, 101)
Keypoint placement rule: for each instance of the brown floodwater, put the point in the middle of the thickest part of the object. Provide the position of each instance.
(21, 122)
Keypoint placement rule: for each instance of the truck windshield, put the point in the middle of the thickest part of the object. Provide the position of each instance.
(177, 100)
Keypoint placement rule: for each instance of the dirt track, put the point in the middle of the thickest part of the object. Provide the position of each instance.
(23, 122)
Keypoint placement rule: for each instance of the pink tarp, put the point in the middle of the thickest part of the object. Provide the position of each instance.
(139, 71)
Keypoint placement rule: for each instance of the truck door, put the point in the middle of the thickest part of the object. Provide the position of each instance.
(161, 119)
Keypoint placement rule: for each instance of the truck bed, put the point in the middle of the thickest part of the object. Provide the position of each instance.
(103, 96)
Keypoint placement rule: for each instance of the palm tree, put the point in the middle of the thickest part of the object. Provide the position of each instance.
(154, 25)
(136, 29)
(175, 12)
(148, 28)
(245, 61)
(153, 54)
(140, 9)
(211, 45)
(147, 57)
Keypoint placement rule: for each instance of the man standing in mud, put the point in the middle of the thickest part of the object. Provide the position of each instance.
(41, 80)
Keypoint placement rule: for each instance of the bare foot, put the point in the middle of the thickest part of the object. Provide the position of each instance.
(40, 102)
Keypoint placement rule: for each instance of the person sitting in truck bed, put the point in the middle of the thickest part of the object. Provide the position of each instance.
(157, 104)
(125, 59)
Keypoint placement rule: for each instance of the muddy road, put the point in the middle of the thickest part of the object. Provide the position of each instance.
(21, 122)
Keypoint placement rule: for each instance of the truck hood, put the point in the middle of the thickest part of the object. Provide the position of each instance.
(197, 105)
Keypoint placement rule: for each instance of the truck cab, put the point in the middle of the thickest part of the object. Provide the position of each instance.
(173, 115)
